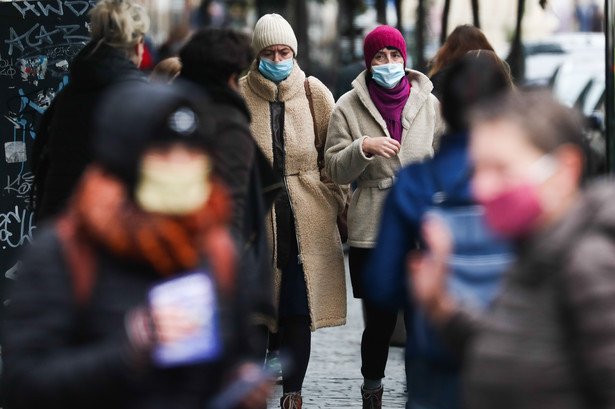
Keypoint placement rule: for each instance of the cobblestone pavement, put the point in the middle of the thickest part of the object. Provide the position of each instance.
(333, 377)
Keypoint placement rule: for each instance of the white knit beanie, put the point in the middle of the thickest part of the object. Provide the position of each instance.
(272, 29)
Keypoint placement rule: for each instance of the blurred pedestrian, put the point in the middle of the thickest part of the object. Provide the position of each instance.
(129, 299)
(306, 245)
(62, 150)
(166, 70)
(432, 373)
(464, 38)
(178, 36)
(214, 58)
(548, 340)
(389, 119)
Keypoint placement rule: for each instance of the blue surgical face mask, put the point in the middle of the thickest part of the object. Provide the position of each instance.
(388, 75)
(275, 71)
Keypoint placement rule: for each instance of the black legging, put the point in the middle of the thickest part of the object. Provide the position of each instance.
(295, 347)
(379, 323)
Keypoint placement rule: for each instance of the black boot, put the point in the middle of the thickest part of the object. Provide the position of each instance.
(372, 398)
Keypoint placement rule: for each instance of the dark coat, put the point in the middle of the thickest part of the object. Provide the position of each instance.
(61, 353)
(61, 150)
(253, 186)
(549, 341)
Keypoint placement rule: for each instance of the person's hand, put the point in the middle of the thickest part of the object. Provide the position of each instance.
(172, 324)
(381, 146)
(428, 271)
(257, 398)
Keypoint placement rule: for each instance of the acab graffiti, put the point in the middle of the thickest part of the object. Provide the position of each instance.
(39, 35)
(16, 227)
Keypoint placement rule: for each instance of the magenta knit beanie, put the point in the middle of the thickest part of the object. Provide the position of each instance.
(381, 37)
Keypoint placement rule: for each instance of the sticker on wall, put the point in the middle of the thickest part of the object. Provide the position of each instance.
(15, 152)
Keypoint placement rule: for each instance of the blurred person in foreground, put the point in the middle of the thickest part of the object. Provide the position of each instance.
(130, 300)
(462, 39)
(305, 243)
(549, 339)
(388, 120)
(214, 58)
(443, 182)
(62, 148)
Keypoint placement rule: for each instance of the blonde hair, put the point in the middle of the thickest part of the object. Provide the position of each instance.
(166, 70)
(118, 23)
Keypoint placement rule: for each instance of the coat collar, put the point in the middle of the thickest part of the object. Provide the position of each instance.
(421, 89)
(269, 90)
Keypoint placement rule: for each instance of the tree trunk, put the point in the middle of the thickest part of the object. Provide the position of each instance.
(381, 11)
(351, 9)
(301, 31)
(398, 5)
(271, 6)
(515, 58)
(445, 13)
(421, 64)
(475, 13)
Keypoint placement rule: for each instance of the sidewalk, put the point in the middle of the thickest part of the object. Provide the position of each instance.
(333, 377)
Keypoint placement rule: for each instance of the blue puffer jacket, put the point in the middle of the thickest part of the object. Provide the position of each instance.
(412, 196)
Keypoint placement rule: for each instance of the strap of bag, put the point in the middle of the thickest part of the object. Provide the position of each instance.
(317, 142)
(80, 259)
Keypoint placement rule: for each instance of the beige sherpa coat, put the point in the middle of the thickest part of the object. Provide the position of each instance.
(355, 118)
(316, 200)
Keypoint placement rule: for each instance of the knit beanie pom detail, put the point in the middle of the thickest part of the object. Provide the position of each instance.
(273, 29)
(382, 37)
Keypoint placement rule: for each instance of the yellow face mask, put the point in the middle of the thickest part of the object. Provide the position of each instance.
(173, 188)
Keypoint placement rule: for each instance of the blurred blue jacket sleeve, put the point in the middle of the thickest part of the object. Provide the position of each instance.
(384, 278)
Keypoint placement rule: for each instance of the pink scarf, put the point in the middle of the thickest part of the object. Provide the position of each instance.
(390, 104)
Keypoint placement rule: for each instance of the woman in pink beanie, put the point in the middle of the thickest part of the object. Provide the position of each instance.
(388, 120)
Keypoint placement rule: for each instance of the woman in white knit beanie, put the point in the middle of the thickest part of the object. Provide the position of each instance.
(290, 127)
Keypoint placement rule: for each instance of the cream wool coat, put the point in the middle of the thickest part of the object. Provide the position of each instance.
(355, 118)
(315, 199)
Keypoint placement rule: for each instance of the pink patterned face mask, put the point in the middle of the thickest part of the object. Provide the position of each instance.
(514, 212)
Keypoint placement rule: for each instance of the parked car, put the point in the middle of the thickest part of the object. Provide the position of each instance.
(544, 56)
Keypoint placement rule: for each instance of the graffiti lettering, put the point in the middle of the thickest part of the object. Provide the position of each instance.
(16, 227)
(21, 185)
(6, 67)
(84, 6)
(62, 33)
(78, 7)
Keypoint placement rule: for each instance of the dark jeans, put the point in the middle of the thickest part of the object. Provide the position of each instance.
(379, 323)
(431, 386)
(294, 319)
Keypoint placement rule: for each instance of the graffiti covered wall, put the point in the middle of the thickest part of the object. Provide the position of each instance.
(38, 41)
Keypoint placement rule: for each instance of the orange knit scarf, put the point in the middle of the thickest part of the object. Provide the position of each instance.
(102, 213)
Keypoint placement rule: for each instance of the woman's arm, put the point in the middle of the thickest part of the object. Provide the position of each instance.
(323, 105)
(428, 271)
(345, 159)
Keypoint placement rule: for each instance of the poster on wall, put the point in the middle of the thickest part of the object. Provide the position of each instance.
(38, 41)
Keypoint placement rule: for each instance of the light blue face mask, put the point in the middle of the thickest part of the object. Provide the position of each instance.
(275, 71)
(388, 75)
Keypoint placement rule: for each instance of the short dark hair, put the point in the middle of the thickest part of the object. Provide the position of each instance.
(547, 123)
(214, 54)
(478, 76)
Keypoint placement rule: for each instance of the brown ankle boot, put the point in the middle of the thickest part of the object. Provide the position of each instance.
(372, 399)
(291, 400)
